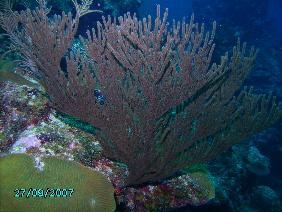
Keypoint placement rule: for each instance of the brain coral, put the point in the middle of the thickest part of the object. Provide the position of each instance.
(92, 191)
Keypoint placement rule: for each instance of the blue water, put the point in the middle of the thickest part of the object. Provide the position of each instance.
(177, 9)
(275, 14)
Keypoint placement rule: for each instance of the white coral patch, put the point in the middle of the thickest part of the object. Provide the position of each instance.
(25, 142)
(93, 202)
(39, 164)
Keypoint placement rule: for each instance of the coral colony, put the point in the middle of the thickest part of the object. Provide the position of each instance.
(156, 100)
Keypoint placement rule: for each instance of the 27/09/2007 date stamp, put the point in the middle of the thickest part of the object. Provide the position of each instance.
(43, 193)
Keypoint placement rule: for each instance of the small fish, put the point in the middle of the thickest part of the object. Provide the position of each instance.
(99, 96)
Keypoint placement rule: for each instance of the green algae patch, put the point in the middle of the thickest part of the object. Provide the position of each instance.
(201, 176)
(203, 180)
(86, 190)
(76, 122)
(2, 137)
(6, 65)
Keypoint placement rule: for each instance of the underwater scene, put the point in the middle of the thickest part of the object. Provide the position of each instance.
(141, 105)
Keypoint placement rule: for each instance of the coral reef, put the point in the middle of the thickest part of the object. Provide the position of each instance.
(50, 136)
(265, 198)
(163, 89)
(257, 163)
(239, 173)
(163, 108)
(21, 106)
(194, 188)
